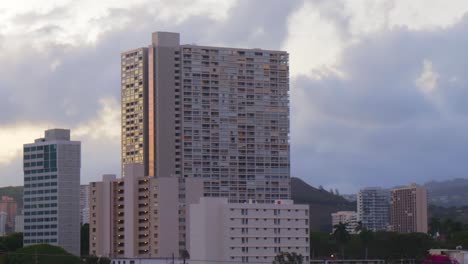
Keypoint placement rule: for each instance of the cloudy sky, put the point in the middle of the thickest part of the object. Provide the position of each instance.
(379, 89)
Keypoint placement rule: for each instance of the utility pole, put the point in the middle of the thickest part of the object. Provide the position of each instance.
(36, 259)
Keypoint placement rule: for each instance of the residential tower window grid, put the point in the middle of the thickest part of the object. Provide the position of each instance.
(134, 122)
(236, 122)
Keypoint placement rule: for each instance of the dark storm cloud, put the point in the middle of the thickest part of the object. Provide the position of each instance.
(64, 83)
(375, 127)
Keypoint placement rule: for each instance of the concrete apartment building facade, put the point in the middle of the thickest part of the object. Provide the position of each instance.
(225, 232)
(197, 121)
(373, 208)
(211, 113)
(51, 191)
(221, 114)
(349, 218)
(139, 216)
(9, 206)
(408, 209)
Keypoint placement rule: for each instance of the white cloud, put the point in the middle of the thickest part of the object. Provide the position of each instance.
(319, 32)
(82, 22)
(313, 41)
(424, 14)
(14, 135)
(106, 125)
(427, 81)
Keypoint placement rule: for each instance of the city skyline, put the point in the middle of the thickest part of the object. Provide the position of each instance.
(352, 124)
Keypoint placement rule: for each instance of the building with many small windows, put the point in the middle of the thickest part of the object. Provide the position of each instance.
(84, 204)
(51, 196)
(408, 209)
(138, 216)
(247, 232)
(220, 114)
(345, 217)
(373, 208)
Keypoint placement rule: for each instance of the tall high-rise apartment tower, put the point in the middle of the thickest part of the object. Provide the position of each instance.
(51, 197)
(220, 114)
(408, 209)
(373, 208)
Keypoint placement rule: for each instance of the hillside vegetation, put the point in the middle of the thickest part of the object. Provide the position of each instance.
(321, 202)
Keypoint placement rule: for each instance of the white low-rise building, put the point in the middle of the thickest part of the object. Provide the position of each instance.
(19, 223)
(349, 218)
(247, 232)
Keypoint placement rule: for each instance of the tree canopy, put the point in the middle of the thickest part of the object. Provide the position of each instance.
(42, 254)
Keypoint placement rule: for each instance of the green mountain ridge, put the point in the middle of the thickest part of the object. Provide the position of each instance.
(321, 204)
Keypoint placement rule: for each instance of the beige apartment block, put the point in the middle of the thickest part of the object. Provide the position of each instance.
(138, 216)
(223, 232)
(350, 218)
(103, 218)
(408, 209)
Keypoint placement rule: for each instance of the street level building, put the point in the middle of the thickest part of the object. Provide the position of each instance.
(222, 232)
(51, 197)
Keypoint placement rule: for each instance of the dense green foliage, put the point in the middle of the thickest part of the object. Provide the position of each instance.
(388, 245)
(378, 245)
(11, 242)
(95, 260)
(42, 254)
(85, 240)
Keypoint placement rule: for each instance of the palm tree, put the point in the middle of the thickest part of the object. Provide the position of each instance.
(341, 236)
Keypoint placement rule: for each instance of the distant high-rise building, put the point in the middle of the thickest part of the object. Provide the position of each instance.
(84, 204)
(52, 191)
(10, 207)
(373, 208)
(345, 217)
(221, 114)
(408, 209)
(3, 223)
(19, 223)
